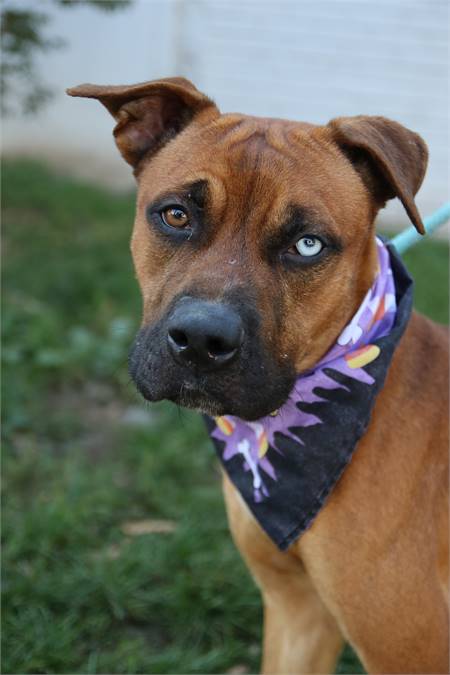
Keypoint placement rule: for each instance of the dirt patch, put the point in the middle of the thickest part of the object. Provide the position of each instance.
(101, 415)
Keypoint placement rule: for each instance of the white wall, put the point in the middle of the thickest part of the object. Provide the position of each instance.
(130, 45)
(304, 59)
(314, 60)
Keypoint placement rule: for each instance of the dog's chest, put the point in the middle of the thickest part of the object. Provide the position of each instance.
(250, 538)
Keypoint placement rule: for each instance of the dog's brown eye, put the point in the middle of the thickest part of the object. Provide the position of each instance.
(174, 216)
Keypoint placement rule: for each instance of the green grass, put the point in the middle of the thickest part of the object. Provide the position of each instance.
(82, 456)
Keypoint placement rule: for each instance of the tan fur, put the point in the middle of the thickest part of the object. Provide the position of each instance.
(373, 567)
(377, 553)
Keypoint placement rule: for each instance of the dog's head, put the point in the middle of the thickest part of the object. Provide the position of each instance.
(253, 241)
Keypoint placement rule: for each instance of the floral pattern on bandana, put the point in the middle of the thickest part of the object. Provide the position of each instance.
(255, 442)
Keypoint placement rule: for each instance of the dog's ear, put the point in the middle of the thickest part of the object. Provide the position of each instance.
(148, 115)
(392, 158)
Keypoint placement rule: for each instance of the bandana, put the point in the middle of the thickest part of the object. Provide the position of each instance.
(286, 464)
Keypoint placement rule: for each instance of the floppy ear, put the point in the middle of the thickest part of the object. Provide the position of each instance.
(149, 114)
(396, 157)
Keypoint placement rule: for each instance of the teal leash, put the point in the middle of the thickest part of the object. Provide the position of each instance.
(409, 237)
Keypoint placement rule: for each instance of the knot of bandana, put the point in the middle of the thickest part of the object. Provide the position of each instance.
(355, 348)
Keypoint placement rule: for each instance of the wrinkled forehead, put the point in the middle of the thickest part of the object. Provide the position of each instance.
(250, 163)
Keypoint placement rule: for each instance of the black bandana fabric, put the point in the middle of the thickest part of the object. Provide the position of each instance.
(307, 463)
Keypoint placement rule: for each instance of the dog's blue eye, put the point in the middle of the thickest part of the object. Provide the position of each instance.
(309, 246)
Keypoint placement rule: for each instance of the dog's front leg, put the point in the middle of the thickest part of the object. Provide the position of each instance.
(300, 635)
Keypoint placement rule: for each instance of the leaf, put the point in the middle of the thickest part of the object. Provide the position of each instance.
(136, 528)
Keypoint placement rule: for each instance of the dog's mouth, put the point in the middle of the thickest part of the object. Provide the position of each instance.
(227, 393)
(226, 373)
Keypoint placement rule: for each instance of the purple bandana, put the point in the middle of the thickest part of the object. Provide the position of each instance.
(286, 464)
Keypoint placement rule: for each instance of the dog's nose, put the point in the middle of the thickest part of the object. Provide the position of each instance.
(204, 334)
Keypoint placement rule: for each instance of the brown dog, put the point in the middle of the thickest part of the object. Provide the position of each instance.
(216, 196)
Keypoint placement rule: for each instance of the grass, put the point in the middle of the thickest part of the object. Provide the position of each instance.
(83, 458)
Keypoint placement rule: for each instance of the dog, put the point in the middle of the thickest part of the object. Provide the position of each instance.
(232, 313)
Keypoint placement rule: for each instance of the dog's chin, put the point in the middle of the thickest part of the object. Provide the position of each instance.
(217, 404)
(201, 403)
(207, 405)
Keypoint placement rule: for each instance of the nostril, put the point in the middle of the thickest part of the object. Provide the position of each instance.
(218, 347)
(179, 337)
